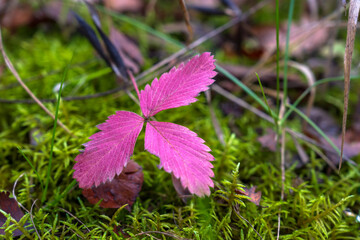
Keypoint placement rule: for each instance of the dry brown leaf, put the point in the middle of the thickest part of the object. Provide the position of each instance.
(350, 149)
(123, 189)
(124, 5)
(20, 15)
(204, 3)
(329, 126)
(324, 121)
(305, 37)
(255, 197)
(9, 205)
(268, 140)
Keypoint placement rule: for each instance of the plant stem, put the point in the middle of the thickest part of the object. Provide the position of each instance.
(53, 135)
(286, 57)
(134, 83)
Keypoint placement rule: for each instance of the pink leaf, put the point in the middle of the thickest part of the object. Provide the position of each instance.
(183, 153)
(110, 149)
(179, 87)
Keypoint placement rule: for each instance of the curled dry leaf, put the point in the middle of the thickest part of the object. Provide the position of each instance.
(9, 205)
(123, 189)
(255, 197)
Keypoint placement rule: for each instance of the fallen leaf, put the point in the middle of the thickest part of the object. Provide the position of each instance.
(305, 37)
(9, 205)
(351, 149)
(268, 140)
(20, 15)
(124, 5)
(332, 129)
(53, 11)
(255, 197)
(123, 189)
(204, 3)
(324, 121)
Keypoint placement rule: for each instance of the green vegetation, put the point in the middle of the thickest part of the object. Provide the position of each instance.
(314, 198)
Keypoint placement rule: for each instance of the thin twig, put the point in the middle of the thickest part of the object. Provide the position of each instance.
(14, 195)
(313, 142)
(321, 154)
(76, 233)
(16, 75)
(187, 20)
(302, 154)
(50, 73)
(32, 219)
(238, 214)
(282, 164)
(282, 178)
(75, 218)
(241, 102)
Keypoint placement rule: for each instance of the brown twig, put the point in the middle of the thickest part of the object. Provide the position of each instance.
(16, 75)
(29, 212)
(32, 219)
(282, 164)
(238, 214)
(282, 178)
(187, 20)
(72, 215)
(313, 142)
(302, 154)
(322, 155)
(241, 102)
(14, 195)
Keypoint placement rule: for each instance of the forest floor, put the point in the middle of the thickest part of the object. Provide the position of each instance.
(275, 144)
